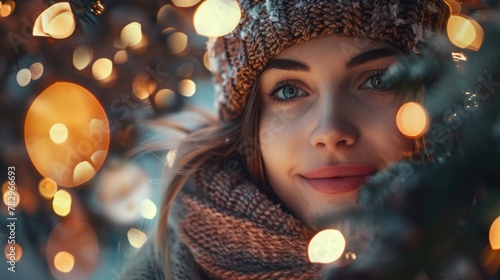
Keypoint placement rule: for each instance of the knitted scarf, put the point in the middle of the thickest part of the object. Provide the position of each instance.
(235, 232)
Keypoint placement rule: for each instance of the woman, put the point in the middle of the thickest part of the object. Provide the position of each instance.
(305, 119)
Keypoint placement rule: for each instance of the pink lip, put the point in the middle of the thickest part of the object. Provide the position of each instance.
(337, 179)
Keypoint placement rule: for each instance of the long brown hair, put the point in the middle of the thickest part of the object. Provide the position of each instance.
(214, 140)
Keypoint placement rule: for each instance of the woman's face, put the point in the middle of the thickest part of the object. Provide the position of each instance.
(327, 123)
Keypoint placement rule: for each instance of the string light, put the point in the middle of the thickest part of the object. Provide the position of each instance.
(412, 120)
(148, 209)
(215, 18)
(62, 203)
(36, 70)
(465, 32)
(136, 238)
(59, 137)
(177, 42)
(326, 246)
(187, 87)
(185, 3)
(23, 77)
(495, 234)
(47, 188)
(102, 68)
(82, 56)
(64, 261)
(131, 34)
(57, 21)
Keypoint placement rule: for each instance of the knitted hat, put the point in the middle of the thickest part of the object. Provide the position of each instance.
(268, 27)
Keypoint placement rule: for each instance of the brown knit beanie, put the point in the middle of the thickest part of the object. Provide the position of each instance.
(267, 27)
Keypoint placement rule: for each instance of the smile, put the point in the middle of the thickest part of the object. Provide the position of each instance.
(338, 179)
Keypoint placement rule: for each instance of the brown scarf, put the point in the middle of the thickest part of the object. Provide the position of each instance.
(235, 232)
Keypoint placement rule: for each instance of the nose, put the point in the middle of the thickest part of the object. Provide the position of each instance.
(334, 125)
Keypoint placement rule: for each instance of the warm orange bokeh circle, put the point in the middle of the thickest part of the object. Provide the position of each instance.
(66, 133)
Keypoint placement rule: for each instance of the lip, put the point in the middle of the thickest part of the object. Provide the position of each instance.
(338, 179)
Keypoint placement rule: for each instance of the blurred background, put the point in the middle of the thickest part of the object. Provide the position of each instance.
(83, 83)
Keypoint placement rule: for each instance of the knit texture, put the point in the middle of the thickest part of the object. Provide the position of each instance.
(268, 27)
(235, 232)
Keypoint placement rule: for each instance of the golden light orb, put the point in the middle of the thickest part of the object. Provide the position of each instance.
(72, 250)
(64, 261)
(102, 69)
(148, 209)
(412, 120)
(11, 198)
(120, 57)
(62, 203)
(136, 237)
(465, 32)
(177, 42)
(215, 18)
(36, 70)
(164, 98)
(13, 252)
(57, 21)
(23, 77)
(6, 187)
(7, 8)
(206, 61)
(47, 188)
(131, 34)
(326, 246)
(87, 132)
(187, 87)
(185, 3)
(82, 56)
(495, 234)
(58, 133)
(143, 86)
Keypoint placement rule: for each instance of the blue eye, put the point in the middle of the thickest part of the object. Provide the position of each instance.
(286, 92)
(375, 81)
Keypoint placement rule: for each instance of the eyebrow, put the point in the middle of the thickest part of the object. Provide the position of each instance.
(369, 56)
(294, 65)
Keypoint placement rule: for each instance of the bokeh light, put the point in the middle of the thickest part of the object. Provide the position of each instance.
(57, 21)
(164, 98)
(36, 70)
(185, 3)
(13, 252)
(187, 87)
(326, 246)
(148, 209)
(143, 86)
(177, 42)
(136, 238)
(62, 203)
(102, 68)
(82, 56)
(131, 34)
(171, 157)
(215, 18)
(495, 234)
(6, 187)
(11, 198)
(465, 32)
(58, 133)
(78, 241)
(7, 8)
(83, 172)
(64, 261)
(455, 7)
(206, 61)
(47, 188)
(120, 57)
(412, 120)
(87, 126)
(121, 188)
(23, 77)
